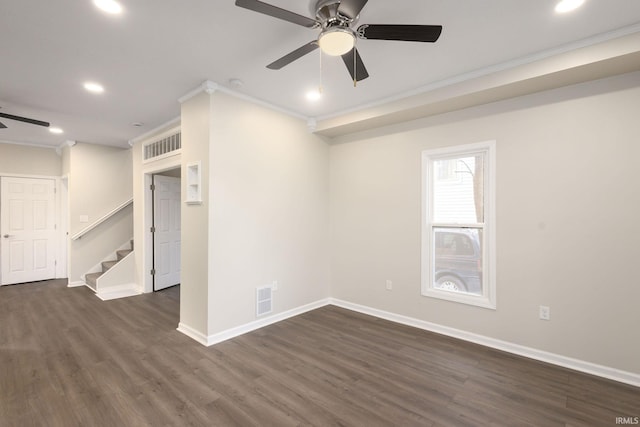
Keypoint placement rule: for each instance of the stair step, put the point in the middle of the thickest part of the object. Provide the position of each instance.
(123, 253)
(108, 264)
(90, 279)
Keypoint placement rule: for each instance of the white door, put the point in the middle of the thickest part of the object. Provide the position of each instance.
(27, 229)
(166, 239)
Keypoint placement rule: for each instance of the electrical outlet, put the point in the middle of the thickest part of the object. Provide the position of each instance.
(389, 285)
(274, 285)
(545, 312)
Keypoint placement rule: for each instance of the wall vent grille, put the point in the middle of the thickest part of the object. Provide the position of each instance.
(161, 148)
(263, 301)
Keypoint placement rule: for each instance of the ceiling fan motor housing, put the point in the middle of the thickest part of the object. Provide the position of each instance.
(326, 12)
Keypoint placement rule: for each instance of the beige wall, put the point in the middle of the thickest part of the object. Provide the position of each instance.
(269, 214)
(568, 203)
(27, 160)
(195, 252)
(100, 179)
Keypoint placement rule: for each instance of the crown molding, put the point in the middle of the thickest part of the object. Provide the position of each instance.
(27, 144)
(171, 123)
(207, 86)
(493, 69)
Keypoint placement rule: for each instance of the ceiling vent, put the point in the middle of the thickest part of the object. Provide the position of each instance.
(168, 145)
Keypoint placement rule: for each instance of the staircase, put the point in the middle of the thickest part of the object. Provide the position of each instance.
(116, 279)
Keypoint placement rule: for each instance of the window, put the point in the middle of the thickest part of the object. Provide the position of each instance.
(458, 233)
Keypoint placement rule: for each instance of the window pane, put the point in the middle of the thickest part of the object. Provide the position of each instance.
(457, 259)
(458, 190)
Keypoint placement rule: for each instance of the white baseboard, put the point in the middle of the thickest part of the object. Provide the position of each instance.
(192, 333)
(260, 323)
(248, 327)
(532, 353)
(121, 291)
(76, 284)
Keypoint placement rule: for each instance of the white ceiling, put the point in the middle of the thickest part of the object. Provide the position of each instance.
(159, 50)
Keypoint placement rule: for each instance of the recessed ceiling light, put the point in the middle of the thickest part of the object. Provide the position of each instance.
(109, 6)
(55, 130)
(314, 95)
(568, 5)
(94, 87)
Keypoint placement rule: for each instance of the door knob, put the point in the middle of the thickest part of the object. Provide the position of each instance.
(6, 236)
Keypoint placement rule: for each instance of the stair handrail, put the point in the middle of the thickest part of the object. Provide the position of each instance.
(102, 219)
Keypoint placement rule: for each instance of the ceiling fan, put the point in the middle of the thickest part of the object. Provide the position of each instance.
(22, 119)
(335, 19)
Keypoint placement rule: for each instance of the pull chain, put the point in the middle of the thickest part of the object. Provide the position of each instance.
(320, 87)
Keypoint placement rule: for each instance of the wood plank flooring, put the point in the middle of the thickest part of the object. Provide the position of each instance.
(69, 359)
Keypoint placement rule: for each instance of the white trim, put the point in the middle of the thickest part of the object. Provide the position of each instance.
(488, 297)
(62, 225)
(481, 72)
(16, 175)
(251, 326)
(27, 144)
(529, 352)
(192, 333)
(174, 123)
(102, 219)
(206, 86)
(210, 87)
(146, 249)
(76, 284)
(532, 353)
(120, 291)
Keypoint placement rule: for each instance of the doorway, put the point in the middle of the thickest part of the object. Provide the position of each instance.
(28, 229)
(166, 233)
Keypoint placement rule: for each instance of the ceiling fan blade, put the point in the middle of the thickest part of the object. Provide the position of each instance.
(2, 126)
(410, 33)
(276, 12)
(359, 72)
(296, 54)
(351, 8)
(25, 119)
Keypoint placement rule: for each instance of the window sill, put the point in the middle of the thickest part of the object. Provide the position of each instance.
(462, 298)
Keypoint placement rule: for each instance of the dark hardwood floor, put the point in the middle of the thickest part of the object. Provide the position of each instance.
(69, 359)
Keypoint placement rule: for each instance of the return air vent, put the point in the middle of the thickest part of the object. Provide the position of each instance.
(263, 301)
(163, 147)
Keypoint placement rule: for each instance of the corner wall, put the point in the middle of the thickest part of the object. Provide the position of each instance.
(269, 217)
(99, 180)
(568, 199)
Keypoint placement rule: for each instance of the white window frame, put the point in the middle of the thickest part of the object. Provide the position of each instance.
(488, 297)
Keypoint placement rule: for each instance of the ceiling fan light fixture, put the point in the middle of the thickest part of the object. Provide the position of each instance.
(336, 41)
(56, 131)
(314, 95)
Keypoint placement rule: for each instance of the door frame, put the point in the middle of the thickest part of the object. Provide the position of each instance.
(149, 170)
(154, 214)
(61, 219)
